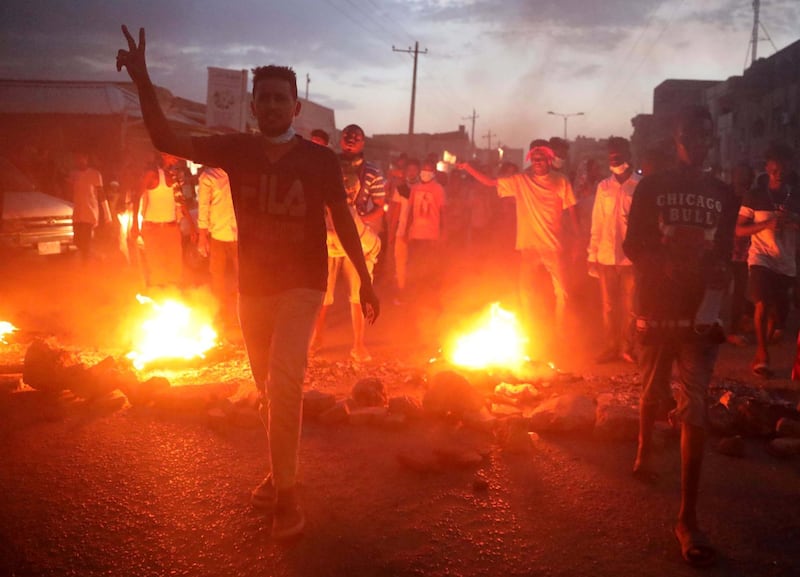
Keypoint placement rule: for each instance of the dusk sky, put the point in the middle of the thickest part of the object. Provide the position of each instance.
(511, 61)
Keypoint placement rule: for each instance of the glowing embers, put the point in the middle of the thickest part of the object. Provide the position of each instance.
(495, 341)
(6, 328)
(171, 331)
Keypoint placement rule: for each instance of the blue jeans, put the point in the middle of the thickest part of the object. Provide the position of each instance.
(276, 331)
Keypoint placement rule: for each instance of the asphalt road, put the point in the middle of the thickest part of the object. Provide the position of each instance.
(133, 493)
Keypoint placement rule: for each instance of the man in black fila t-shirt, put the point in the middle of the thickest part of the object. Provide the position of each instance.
(280, 186)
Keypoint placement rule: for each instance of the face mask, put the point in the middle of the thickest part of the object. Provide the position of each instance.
(558, 162)
(620, 168)
(426, 175)
(281, 139)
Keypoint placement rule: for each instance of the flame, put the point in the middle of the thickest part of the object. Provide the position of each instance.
(125, 220)
(6, 328)
(496, 341)
(171, 331)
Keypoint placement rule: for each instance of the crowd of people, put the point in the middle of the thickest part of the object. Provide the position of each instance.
(666, 259)
(659, 252)
(660, 242)
(414, 221)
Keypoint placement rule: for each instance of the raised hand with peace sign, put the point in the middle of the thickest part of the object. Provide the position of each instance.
(133, 58)
(164, 139)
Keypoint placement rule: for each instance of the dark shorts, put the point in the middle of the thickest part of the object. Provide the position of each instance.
(695, 362)
(82, 235)
(768, 286)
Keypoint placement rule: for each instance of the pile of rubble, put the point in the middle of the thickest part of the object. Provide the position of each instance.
(737, 410)
(513, 411)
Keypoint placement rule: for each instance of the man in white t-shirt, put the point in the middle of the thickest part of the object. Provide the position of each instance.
(88, 200)
(770, 215)
(542, 195)
(218, 236)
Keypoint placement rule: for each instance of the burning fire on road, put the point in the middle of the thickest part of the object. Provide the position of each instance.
(171, 330)
(6, 328)
(496, 340)
(495, 349)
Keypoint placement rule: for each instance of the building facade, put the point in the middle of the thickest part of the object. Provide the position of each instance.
(751, 112)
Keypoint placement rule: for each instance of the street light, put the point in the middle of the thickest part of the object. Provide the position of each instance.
(565, 117)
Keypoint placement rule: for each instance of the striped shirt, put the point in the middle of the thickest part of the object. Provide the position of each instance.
(372, 191)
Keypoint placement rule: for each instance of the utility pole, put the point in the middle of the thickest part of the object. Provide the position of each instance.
(489, 156)
(472, 132)
(488, 136)
(308, 81)
(416, 52)
(754, 38)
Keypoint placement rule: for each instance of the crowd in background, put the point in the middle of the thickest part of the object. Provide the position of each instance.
(427, 219)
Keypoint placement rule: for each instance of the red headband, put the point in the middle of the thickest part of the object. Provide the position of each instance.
(546, 150)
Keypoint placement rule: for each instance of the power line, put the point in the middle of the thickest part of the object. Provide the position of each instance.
(369, 15)
(389, 17)
(764, 28)
(366, 17)
(652, 45)
(629, 53)
(655, 42)
(488, 137)
(445, 100)
(356, 21)
(372, 32)
(437, 78)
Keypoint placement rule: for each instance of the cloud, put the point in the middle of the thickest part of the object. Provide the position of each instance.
(184, 30)
(510, 60)
(530, 15)
(779, 16)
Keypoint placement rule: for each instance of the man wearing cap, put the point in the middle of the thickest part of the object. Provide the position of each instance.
(542, 195)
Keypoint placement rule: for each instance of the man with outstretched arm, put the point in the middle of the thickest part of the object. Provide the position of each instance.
(280, 186)
(542, 196)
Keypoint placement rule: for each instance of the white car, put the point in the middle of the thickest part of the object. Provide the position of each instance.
(33, 221)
